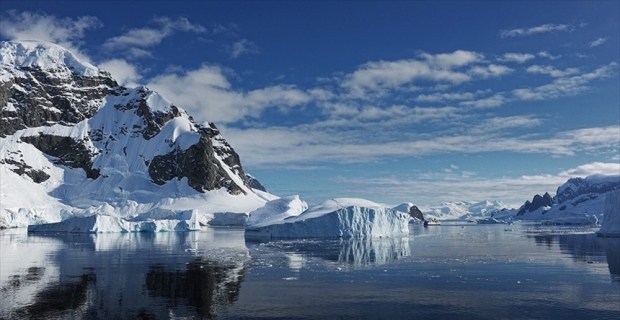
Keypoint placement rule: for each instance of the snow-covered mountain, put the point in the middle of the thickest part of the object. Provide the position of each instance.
(578, 200)
(74, 142)
(462, 210)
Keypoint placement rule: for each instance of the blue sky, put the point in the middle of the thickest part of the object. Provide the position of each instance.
(422, 102)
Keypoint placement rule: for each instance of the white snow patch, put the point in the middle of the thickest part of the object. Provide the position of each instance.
(276, 211)
(46, 56)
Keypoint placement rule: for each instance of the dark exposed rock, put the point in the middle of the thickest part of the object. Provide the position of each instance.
(582, 186)
(537, 202)
(414, 212)
(69, 152)
(153, 121)
(199, 165)
(254, 183)
(42, 99)
(37, 176)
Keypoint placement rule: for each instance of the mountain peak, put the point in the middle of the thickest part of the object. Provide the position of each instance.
(45, 56)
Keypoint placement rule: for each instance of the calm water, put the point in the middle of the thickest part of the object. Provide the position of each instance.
(468, 271)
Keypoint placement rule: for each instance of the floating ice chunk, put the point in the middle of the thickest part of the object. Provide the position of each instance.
(611, 217)
(108, 224)
(336, 218)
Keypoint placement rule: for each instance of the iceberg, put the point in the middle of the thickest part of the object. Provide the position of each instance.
(109, 224)
(335, 218)
(611, 217)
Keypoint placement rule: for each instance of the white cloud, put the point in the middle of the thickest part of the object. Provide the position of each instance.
(378, 77)
(534, 30)
(517, 57)
(66, 32)
(493, 101)
(504, 123)
(122, 71)
(207, 94)
(591, 169)
(349, 140)
(136, 40)
(552, 71)
(564, 86)
(597, 42)
(545, 54)
(438, 97)
(240, 47)
(491, 70)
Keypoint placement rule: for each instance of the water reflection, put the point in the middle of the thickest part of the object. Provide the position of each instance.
(63, 300)
(586, 248)
(122, 276)
(355, 252)
(205, 285)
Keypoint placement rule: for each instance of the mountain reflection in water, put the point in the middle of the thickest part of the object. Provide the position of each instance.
(123, 276)
(208, 286)
(586, 248)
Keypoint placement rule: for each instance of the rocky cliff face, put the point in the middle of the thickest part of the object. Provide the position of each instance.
(575, 196)
(537, 202)
(78, 117)
(42, 86)
(576, 187)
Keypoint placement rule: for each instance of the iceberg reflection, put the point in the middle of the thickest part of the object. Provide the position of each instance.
(586, 248)
(353, 251)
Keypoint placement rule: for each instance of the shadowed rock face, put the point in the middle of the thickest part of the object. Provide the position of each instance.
(69, 152)
(583, 186)
(414, 212)
(198, 164)
(42, 99)
(537, 202)
(254, 183)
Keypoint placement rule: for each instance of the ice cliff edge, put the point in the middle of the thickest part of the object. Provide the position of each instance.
(335, 218)
(611, 218)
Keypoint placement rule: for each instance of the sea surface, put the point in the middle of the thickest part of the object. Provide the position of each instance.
(458, 270)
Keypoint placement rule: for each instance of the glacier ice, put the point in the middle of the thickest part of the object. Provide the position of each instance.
(335, 218)
(105, 224)
(611, 217)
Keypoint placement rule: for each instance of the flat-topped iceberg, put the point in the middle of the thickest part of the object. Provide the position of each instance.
(109, 224)
(336, 218)
(611, 217)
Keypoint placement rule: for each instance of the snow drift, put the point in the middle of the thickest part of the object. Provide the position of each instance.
(336, 218)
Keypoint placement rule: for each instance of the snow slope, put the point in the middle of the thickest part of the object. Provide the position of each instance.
(343, 217)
